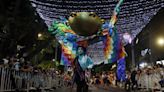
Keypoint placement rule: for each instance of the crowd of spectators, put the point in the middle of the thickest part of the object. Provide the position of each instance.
(150, 78)
(16, 63)
(22, 72)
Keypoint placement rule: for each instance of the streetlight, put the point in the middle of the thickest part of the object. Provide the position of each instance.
(39, 35)
(160, 41)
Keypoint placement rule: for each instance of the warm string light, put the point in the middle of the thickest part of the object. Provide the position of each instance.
(133, 17)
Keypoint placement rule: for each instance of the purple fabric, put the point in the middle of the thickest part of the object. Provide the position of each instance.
(121, 69)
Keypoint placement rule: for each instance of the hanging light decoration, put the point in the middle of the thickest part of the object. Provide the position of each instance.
(133, 17)
(127, 38)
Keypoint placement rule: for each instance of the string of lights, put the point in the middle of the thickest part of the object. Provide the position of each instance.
(133, 17)
(102, 11)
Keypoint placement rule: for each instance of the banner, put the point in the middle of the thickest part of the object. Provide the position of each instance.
(96, 52)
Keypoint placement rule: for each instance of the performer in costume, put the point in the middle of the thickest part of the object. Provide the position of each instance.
(81, 63)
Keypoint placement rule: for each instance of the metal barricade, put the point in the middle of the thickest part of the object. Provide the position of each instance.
(11, 80)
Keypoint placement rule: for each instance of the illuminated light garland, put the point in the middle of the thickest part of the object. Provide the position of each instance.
(59, 28)
(133, 11)
(50, 11)
(113, 5)
(107, 50)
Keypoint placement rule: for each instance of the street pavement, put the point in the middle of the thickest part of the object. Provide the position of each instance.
(91, 89)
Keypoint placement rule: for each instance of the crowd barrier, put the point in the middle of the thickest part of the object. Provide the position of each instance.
(11, 80)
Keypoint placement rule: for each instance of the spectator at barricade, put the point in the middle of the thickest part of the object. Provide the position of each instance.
(12, 76)
(26, 67)
(97, 80)
(127, 80)
(67, 79)
(138, 78)
(161, 82)
(60, 78)
(160, 70)
(104, 78)
(156, 78)
(6, 61)
(148, 79)
(1, 63)
(22, 60)
(92, 80)
(38, 77)
(15, 65)
(112, 78)
(133, 79)
(87, 75)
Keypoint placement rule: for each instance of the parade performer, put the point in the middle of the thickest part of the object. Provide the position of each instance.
(81, 63)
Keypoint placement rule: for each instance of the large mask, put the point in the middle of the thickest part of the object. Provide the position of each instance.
(85, 23)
